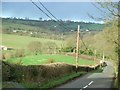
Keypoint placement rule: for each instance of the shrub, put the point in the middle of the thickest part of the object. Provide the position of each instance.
(20, 53)
(50, 47)
(16, 73)
(35, 47)
(5, 72)
(68, 49)
(37, 73)
(50, 61)
(2, 56)
(7, 55)
(82, 51)
(19, 62)
(90, 52)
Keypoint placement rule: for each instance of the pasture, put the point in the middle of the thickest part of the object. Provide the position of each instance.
(21, 42)
(44, 59)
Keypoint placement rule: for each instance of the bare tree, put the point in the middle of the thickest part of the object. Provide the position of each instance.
(110, 11)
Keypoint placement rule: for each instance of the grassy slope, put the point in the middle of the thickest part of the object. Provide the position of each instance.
(16, 41)
(43, 58)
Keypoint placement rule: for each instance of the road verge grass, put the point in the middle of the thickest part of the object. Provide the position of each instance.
(53, 82)
(116, 86)
(99, 70)
(49, 83)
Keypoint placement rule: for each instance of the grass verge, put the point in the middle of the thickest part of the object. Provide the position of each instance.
(53, 82)
(57, 81)
(116, 84)
(99, 70)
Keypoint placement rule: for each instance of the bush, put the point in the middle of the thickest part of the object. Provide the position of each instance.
(5, 72)
(37, 73)
(82, 51)
(20, 53)
(50, 61)
(35, 47)
(90, 52)
(2, 56)
(68, 49)
(50, 47)
(7, 55)
(86, 52)
(19, 62)
(16, 73)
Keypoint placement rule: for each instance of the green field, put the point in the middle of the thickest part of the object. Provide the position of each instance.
(43, 58)
(16, 41)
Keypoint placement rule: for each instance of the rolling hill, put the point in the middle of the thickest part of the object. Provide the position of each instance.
(48, 25)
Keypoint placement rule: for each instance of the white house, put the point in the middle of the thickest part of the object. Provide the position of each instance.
(87, 30)
(3, 48)
(14, 31)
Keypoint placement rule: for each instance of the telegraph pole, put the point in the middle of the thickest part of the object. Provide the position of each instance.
(77, 46)
(94, 58)
(103, 57)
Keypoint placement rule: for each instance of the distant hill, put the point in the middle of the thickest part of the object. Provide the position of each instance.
(61, 26)
(47, 28)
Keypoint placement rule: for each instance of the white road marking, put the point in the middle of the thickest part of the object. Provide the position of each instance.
(87, 85)
(90, 83)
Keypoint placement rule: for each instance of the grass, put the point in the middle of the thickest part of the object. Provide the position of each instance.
(53, 82)
(58, 81)
(43, 58)
(116, 84)
(16, 41)
(50, 83)
(99, 70)
(7, 85)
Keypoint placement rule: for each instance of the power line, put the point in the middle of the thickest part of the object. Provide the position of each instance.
(47, 15)
(53, 15)
(54, 18)
(84, 44)
(47, 9)
(41, 10)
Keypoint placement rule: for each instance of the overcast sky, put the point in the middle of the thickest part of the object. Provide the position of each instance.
(62, 10)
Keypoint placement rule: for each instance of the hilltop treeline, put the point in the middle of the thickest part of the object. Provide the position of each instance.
(51, 25)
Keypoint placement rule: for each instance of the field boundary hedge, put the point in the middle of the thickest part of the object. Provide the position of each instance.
(39, 73)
